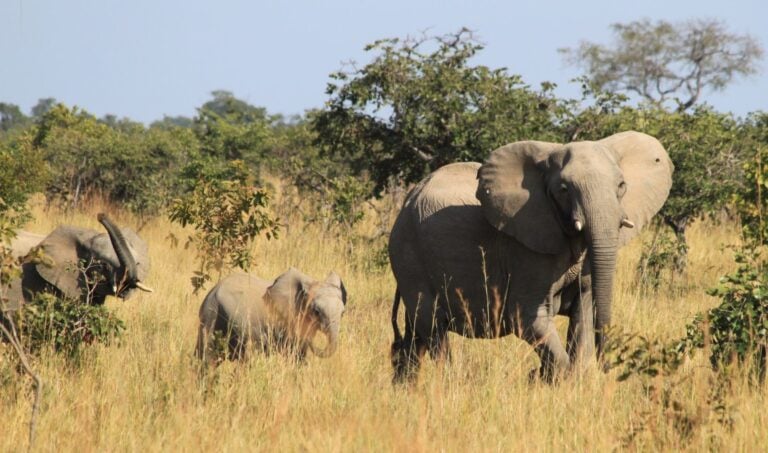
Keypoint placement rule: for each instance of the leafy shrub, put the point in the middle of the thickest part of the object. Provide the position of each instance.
(738, 328)
(752, 199)
(661, 256)
(65, 325)
(227, 216)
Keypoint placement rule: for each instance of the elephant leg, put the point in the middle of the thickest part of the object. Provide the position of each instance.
(202, 343)
(581, 330)
(236, 346)
(407, 355)
(538, 329)
(418, 338)
(439, 348)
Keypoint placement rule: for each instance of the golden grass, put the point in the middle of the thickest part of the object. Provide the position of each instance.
(147, 395)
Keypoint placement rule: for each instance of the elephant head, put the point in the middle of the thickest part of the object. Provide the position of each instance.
(306, 305)
(85, 265)
(546, 195)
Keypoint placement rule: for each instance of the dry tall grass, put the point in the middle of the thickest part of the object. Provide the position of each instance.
(147, 395)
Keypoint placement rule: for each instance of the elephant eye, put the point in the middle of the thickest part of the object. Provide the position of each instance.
(622, 188)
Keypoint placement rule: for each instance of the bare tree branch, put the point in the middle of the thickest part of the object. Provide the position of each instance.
(10, 335)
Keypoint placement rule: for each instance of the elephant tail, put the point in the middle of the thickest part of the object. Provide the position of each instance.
(395, 309)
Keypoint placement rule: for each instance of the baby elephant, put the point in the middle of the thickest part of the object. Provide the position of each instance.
(284, 314)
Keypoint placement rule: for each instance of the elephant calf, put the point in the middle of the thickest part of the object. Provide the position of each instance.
(284, 314)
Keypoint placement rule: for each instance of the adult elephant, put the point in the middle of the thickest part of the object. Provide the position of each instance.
(82, 265)
(499, 248)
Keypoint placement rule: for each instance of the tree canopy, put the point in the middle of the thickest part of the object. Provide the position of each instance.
(668, 64)
(421, 103)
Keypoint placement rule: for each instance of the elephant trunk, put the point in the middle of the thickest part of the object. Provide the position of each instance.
(602, 245)
(121, 248)
(331, 331)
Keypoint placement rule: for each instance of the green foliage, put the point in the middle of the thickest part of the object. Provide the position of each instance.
(11, 117)
(119, 159)
(232, 134)
(660, 258)
(751, 200)
(420, 104)
(22, 173)
(735, 334)
(736, 331)
(65, 325)
(227, 216)
(81, 151)
(319, 187)
(332, 200)
(738, 328)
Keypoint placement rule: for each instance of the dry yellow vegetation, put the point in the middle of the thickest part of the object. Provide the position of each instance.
(146, 394)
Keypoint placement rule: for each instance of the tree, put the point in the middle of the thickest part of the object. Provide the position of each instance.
(668, 63)
(231, 129)
(11, 116)
(169, 122)
(43, 106)
(420, 104)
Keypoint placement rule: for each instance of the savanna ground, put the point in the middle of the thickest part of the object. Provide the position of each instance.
(147, 394)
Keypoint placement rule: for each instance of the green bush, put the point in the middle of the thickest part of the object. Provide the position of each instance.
(737, 329)
(227, 216)
(66, 326)
(421, 104)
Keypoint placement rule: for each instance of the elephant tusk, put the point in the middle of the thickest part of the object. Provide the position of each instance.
(144, 287)
(627, 223)
(577, 225)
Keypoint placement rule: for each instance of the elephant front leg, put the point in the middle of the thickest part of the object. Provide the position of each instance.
(581, 330)
(538, 329)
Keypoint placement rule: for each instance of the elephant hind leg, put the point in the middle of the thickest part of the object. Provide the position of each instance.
(237, 346)
(439, 348)
(406, 355)
(202, 343)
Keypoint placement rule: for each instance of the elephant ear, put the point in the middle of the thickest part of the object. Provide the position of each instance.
(513, 195)
(647, 172)
(64, 249)
(334, 280)
(289, 291)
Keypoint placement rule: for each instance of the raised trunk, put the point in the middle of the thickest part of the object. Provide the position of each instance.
(602, 240)
(121, 248)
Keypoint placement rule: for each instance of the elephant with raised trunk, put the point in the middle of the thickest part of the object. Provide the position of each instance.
(283, 314)
(502, 247)
(80, 264)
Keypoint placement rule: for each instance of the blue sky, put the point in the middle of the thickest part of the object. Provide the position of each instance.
(145, 58)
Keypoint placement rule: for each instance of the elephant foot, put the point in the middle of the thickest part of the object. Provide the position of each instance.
(546, 375)
(405, 363)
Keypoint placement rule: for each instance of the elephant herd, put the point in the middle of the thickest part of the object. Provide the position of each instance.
(482, 250)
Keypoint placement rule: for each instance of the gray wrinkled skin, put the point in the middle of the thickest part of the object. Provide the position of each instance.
(65, 251)
(487, 250)
(284, 314)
